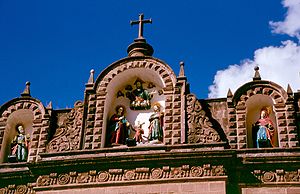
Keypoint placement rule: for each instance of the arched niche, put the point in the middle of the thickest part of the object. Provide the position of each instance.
(119, 83)
(282, 109)
(253, 106)
(22, 117)
(100, 98)
(30, 112)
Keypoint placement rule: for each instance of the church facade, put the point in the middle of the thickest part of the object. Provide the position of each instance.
(140, 130)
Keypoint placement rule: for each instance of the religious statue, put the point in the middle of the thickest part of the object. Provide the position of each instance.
(138, 132)
(119, 127)
(139, 97)
(263, 130)
(156, 124)
(19, 146)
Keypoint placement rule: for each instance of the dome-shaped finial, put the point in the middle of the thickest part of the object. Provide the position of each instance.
(140, 47)
(256, 74)
(26, 91)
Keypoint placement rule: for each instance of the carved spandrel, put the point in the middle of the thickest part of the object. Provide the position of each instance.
(200, 127)
(67, 135)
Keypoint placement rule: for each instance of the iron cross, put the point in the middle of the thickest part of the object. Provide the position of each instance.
(141, 23)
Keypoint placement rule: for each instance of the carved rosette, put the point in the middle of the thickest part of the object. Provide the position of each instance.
(21, 189)
(117, 175)
(129, 175)
(200, 128)
(279, 175)
(196, 171)
(103, 176)
(156, 173)
(63, 179)
(67, 136)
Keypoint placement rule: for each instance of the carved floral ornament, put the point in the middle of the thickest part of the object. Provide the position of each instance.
(66, 136)
(118, 175)
(18, 189)
(278, 175)
(200, 128)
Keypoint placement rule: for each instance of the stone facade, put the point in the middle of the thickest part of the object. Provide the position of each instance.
(207, 144)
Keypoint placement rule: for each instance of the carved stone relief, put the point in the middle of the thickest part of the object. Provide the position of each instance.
(67, 135)
(200, 127)
(19, 189)
(137, 174)
(278, 175)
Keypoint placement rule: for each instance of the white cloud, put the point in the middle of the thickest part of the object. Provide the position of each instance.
(291, 24)
(279, 64)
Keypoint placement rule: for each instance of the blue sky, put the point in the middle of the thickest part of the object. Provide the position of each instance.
(54, 44)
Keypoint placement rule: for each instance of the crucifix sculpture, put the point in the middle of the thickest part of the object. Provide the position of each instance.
(141, 23)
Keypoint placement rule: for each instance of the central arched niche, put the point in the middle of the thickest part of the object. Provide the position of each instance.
(253, 106)
(22, 117)
(119, 83)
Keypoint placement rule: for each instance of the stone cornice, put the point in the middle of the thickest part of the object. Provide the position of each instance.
(106, 167)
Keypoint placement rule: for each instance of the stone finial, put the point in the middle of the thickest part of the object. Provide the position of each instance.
(256, 74)
(91, 79)
(140, 48)
(289, 90)
(181, 72)
(229, 93)
(26, 91)
(181, 75)
(49, 106)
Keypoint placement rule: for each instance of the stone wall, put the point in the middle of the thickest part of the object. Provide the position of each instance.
(211, 187)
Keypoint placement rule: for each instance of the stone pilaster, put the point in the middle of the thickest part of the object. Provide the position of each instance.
(232, 123)
(89, 122)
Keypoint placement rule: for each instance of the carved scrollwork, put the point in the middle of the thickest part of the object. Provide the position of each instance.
(218, 171)
(21, 189)
(67, 135)
(292, 176)
(83, 178)
(200, 127)
(176, 173)
(44, 181)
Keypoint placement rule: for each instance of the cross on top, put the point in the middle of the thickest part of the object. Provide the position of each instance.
(141, 23)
